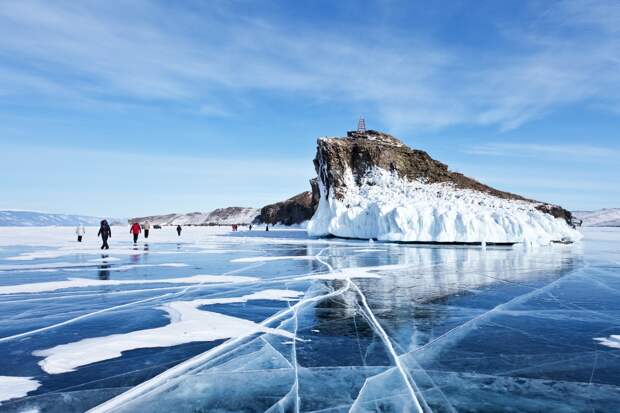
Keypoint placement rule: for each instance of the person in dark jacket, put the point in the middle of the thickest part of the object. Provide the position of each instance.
(105, 232)
(179, 230)
(135, 230)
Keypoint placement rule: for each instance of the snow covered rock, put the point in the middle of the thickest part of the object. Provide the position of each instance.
(608, 217)
(220, 216)
(16, 218)
(371, 185)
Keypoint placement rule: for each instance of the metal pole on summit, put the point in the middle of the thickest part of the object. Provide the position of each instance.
(361, 125)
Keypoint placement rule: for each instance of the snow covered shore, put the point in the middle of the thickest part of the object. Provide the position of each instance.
(387, 207)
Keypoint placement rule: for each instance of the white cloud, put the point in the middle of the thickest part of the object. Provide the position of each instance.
(146, 52)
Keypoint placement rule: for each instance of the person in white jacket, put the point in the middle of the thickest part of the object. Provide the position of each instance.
(146, 226)
(80, 231)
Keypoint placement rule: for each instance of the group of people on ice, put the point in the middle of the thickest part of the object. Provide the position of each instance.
(136, 229)
(105, 232)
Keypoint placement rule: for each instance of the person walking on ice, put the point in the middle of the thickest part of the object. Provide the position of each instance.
(105, 232)
(147, 227)
(179, 230)
(135, 230)
(80, 231)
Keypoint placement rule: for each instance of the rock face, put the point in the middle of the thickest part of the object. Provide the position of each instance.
(293, 211)
(371, 185)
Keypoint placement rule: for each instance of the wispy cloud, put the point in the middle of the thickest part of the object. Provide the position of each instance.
(570, 152)
(144, 52)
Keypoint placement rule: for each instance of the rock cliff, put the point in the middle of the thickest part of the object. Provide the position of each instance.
(292, 211)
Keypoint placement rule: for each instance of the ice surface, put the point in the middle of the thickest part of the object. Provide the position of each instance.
(389, 208)
(326, 325)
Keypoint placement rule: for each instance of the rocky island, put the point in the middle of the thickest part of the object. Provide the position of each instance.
(370, 185)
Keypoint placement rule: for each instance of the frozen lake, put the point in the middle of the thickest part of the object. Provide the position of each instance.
(214, 321)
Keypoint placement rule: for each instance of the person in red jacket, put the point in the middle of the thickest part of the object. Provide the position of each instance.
(135, 230)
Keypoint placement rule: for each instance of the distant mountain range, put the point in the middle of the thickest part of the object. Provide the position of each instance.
(220, 216)
(608, 217)
(14, 218)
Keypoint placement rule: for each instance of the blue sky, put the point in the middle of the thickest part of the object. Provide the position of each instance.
(135, 107)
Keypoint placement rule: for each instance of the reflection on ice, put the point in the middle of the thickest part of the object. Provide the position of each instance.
(286, 258)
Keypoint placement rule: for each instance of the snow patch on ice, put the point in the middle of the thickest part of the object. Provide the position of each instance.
(12, 387)
(390, 208)
(612, 341)
(187, 324)
(86, 282)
